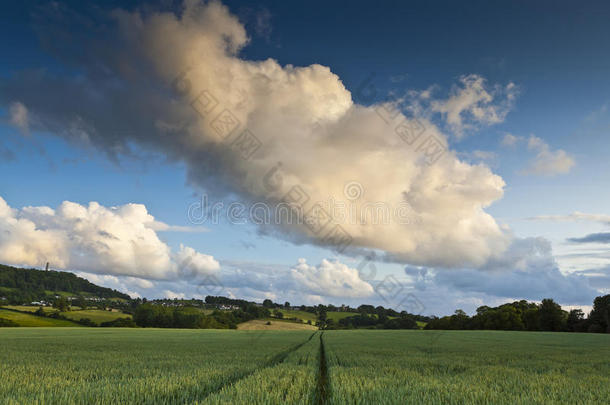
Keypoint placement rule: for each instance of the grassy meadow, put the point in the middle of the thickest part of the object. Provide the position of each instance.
(97, 316)
(171, 366)
(308, 316)
(27, 320)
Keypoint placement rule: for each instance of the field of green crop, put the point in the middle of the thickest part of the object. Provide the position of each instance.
(472, 367)
(169, 366)
(152, 366)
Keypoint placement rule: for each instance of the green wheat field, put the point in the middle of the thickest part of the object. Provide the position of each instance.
(154, 366)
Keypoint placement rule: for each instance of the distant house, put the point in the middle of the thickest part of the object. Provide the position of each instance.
(227, 307)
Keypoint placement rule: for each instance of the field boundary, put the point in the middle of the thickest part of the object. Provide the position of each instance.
(323, 386)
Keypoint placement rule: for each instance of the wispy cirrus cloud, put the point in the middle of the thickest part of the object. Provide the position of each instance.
(600, 237)
(575, 216)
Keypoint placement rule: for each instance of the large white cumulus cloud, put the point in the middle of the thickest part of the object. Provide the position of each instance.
(303, 118)
(97, 239)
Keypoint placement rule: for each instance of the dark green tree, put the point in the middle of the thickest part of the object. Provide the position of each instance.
(61, 304)
(551, 316)
(80, 302)
(599, 318)
(575, 321)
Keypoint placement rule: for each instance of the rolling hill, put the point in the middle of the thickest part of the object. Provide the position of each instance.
(25, 285)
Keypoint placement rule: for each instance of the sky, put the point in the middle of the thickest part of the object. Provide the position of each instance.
(424, 156)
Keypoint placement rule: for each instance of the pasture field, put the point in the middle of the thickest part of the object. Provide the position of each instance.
(276, 324)
(27, 320)
(176, 366)
(28, 308)
(96, 315)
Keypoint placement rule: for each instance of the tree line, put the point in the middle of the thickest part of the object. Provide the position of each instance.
(369, 317)
(160, 316)
(529, 316)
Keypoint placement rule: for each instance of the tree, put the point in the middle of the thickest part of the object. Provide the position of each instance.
(600, 315)
(80, 302)
(576, 321)
(531, 319)
(278, 314)
(286, 305)
(322, 317)
(459, 320)
(268, 303)
(366, 309)
(551, 316)
(61, 303)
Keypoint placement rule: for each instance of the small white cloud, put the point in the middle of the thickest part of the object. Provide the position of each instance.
(194, 264)
(140, 282)
(18, 116)
(330, 278)
(547, 162)
(511, 140)
(159, 226)
(484, 155)
(473, 103)
(171, 295)
(575, 216)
